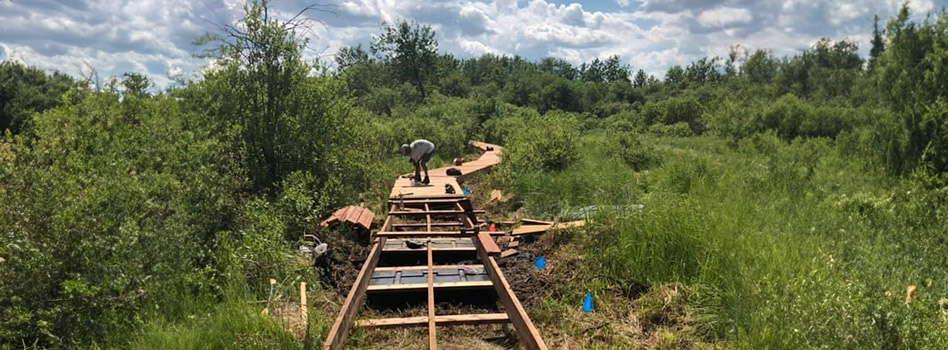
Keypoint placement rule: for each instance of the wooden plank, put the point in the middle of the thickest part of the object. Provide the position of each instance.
(424, 286)
(426, 200)
(535, 222)
(432, 341)
(433, 224)
(427, 218)
(488, 243)
(443, 250)
(441, 320)
(426, 212)
(513, 244)
(433, 233)
(531, 229)
(423, 267)
(508, 253)
(410, 196)
(527, 332)
(336, 338)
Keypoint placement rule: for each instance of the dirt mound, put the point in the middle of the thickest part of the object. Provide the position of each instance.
(343, 259)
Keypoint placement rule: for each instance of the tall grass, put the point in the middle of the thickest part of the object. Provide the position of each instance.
(780, 245)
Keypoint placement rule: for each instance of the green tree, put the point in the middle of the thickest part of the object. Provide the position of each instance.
(27, 90)
(280, 119)
(761, 67)
(410, 49)
(878, 42)
(350, 56)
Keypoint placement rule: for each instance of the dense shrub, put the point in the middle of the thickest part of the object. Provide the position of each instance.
(546, 143)
(638, 155)
(110, 207)
(675, 110)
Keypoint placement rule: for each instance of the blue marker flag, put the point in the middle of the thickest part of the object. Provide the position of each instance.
(466, 191)
(588, 303)
(540, 263)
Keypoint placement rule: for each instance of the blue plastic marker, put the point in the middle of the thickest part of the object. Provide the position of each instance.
(540, 263)
(467, 192)
(588, 303)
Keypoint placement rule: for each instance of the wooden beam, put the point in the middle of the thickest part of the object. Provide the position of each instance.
(441, 320)
(426, 200)
(426, 212)
(433, 224)
(432, 341)
(409, 234)
(488, 243)
(518, 316)
(426, 196)
(336, 338)
(451, 249)
(535, 222)
(427, 219)
(424, 286)
(423, 267)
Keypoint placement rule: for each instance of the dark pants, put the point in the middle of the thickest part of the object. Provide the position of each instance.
(422, 164)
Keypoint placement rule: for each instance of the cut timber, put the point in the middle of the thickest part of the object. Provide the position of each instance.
(433, 224)
(527, 332)
(432, 233)
(443, 320)
(535, 229)
(508, 253)
(432, 342)
(340, 328)
(352, 214)
(488, 243)
(426, 212)
(513, 244)
(424, 286)
(535, 222)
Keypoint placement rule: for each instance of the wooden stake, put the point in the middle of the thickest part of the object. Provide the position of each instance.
(304, 312)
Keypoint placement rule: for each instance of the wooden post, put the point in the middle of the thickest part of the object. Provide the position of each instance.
(304, 312)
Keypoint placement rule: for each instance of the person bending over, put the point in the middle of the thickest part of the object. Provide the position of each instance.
(420, 152)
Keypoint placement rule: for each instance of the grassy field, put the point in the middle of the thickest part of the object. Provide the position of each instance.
(766, 244)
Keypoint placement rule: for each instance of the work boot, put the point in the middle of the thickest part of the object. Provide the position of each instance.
(426, 180)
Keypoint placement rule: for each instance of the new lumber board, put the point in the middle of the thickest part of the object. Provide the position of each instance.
(424, 286)
(521, 322)
(426, 212)
(432, 339)
(441, 320)
(488, 243)
(337, 335)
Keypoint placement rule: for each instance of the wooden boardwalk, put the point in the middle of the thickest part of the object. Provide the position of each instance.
(426, 222)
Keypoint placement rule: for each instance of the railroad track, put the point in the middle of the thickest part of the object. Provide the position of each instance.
(426, 224)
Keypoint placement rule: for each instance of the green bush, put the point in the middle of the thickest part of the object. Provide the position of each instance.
(112, 205)
(638, 155)
(546, 143)
(673, 111)
(677, 129)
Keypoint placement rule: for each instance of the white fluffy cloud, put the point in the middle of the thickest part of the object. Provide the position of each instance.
(724, 17)
(154, 37)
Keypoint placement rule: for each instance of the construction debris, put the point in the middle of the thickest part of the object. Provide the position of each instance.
(355, 215)
(537, 227)
(508, 253)
(497, 196)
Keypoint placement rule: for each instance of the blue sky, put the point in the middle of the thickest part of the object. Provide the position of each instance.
(154, 37)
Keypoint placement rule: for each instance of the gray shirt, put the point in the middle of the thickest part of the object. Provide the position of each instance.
(420, 148)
